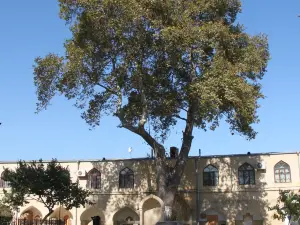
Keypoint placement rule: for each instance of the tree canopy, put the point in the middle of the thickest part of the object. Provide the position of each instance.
(158, 62)
(288, 206)
(48, 183)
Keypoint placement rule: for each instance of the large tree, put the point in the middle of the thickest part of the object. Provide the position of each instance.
(156, 62)
(48, 183)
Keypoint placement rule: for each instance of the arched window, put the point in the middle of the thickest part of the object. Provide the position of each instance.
(210, 176)
(3, 183)
(126, 178)
(94, 179)
(246, 174)
(282, 172)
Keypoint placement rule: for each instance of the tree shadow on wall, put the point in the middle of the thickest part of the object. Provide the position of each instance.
(110, 198)
(231, 200)
(228, 200)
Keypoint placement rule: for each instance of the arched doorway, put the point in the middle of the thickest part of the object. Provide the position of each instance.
(86, 216)
(64, 216)
(67, 220)
(126, 216)
(151, 210)
(30, 215)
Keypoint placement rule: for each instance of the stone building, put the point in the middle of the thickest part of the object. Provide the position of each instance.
(227, 189)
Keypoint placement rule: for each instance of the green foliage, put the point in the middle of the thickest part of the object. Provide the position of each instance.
(49, 184)
(6, 213)
(157, 62)
(150, 61)
(288, 204)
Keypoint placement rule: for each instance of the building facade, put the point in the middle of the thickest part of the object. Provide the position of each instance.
(223, 190)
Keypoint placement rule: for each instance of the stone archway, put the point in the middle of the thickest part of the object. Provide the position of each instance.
(86, 216)
(30, 213)
(152, 210)
(125, 216)
(62, 214)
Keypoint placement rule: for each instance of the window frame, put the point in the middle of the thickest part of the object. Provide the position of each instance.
(94, 179)
(213, 173)
(288, 167)
(125, 178)
(244, 170)
(3, 183)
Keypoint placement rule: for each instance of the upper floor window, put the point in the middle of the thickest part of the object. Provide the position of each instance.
(3, 183)
(126, 178)
(210, 176)
(282, 172)
(246, 174)
(94, 179)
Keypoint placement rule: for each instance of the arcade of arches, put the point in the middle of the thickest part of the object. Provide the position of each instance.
(149, 213)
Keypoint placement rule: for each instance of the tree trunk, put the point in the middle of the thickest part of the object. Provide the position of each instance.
(168, 183)
(169, 201)
(46, 216)
(166, 189)
(183, 157)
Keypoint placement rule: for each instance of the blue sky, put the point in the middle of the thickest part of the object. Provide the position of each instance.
(32, 28)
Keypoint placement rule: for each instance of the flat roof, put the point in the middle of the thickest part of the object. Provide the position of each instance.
(149, 158)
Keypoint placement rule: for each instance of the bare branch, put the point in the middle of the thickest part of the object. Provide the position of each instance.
(119, 104)
(179, 117)
(104, 87)
(108, 89)
(183, 109)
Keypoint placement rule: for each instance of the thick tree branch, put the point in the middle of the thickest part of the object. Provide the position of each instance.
(185, 148)
(46, 216)
(188, 132)
(143, 118)
(159, 149)
(48, 206)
